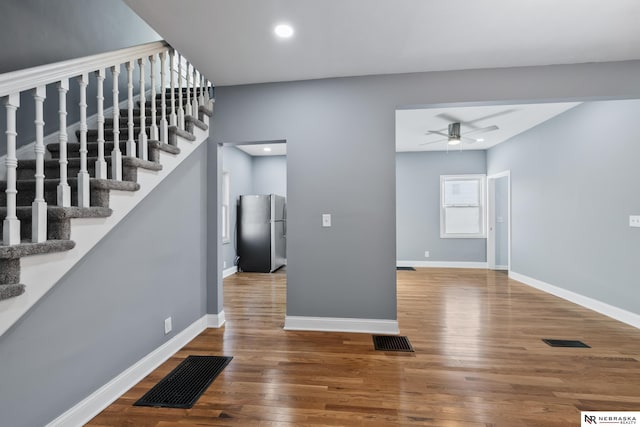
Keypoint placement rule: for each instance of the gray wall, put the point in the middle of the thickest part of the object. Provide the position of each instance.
(239, 165)
(574, 184)
(502, 221)
(38, 32)
(44, 31)
(418, 205)
(108, 311)
(269, 175)
(341, 160)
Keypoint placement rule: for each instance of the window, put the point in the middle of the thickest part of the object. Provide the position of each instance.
(462, 207)
(226, 221)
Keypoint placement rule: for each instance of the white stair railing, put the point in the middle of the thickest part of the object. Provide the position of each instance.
(11, 224)
(63, 189)
(142, 136)
(154, 124)
(188, 111)
(101, 164)
(180, 108)
(164, 126)
(83, 174)
(116, 154)
(39, 205)
(188, 80)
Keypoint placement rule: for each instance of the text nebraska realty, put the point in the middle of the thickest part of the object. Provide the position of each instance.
(611, 419)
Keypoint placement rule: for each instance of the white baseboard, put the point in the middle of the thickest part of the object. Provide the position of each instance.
(229, 271)
(339, 324)
(91, 406)
(608, 310)
(442, 264)
(215, 320)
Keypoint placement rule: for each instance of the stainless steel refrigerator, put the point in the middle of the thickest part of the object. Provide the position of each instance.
(261, 233)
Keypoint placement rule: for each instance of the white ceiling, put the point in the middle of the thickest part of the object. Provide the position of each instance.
(412, 126)
(259, 149)
(232, 42)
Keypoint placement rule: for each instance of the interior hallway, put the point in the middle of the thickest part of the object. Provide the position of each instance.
(479, 361)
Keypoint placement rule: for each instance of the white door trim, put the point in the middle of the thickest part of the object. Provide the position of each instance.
(491, 215)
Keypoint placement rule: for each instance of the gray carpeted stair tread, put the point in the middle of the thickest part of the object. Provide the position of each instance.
(164, 147)
(183, 133)
(27, 248)
(139, 163)
(205, 110)
(10, 291)
(59, 212)
(197, 122)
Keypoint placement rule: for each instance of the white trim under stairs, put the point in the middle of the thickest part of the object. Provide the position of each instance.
(41, 272)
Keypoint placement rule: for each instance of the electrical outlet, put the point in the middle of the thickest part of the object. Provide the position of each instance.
(634, 220)
(167, 325)
(426, 254)
(224, 264)
(326, 220)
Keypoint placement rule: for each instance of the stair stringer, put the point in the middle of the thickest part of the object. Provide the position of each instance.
(40, 273)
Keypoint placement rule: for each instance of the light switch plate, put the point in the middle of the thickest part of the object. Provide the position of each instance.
(634, 221)
(326, 220)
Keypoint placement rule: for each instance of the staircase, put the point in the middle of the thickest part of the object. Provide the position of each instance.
(58, 204)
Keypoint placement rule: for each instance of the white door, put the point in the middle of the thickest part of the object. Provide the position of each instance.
(499, 221)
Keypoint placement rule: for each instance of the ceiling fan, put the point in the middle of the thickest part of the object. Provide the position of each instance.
(454, 137)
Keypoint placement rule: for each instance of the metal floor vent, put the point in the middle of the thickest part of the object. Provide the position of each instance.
(565, 343)
(406, 268)
(392, 343)
(182, 387)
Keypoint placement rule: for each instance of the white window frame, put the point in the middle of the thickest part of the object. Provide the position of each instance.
(225, 213)
(482, 205)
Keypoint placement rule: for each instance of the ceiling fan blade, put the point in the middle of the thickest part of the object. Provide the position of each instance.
(433, 142)
(482, 130)
(448, 117)
(467, 140)
(437, 132)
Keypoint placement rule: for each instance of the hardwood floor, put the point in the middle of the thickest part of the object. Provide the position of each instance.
(479, 361)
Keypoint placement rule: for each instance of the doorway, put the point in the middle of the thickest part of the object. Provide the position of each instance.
(499, 221)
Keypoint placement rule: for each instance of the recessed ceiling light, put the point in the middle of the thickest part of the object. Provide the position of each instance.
(267, 149)
(283, 31)
(480, 140)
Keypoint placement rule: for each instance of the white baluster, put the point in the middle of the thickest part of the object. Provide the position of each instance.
(11, 223)
(142, 136)
(194, 102)
(152, 104)
(206, 93)
(209, 97)
(201, 99)
(83, 174)
(188, 111)
(180, 107)
(116, 154)
(172, 78)
(101, 164)
(63, 189)
(39, 205)
(131, 143)
(164, 131)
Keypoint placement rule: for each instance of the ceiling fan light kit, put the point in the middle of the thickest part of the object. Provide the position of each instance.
(453, 136)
